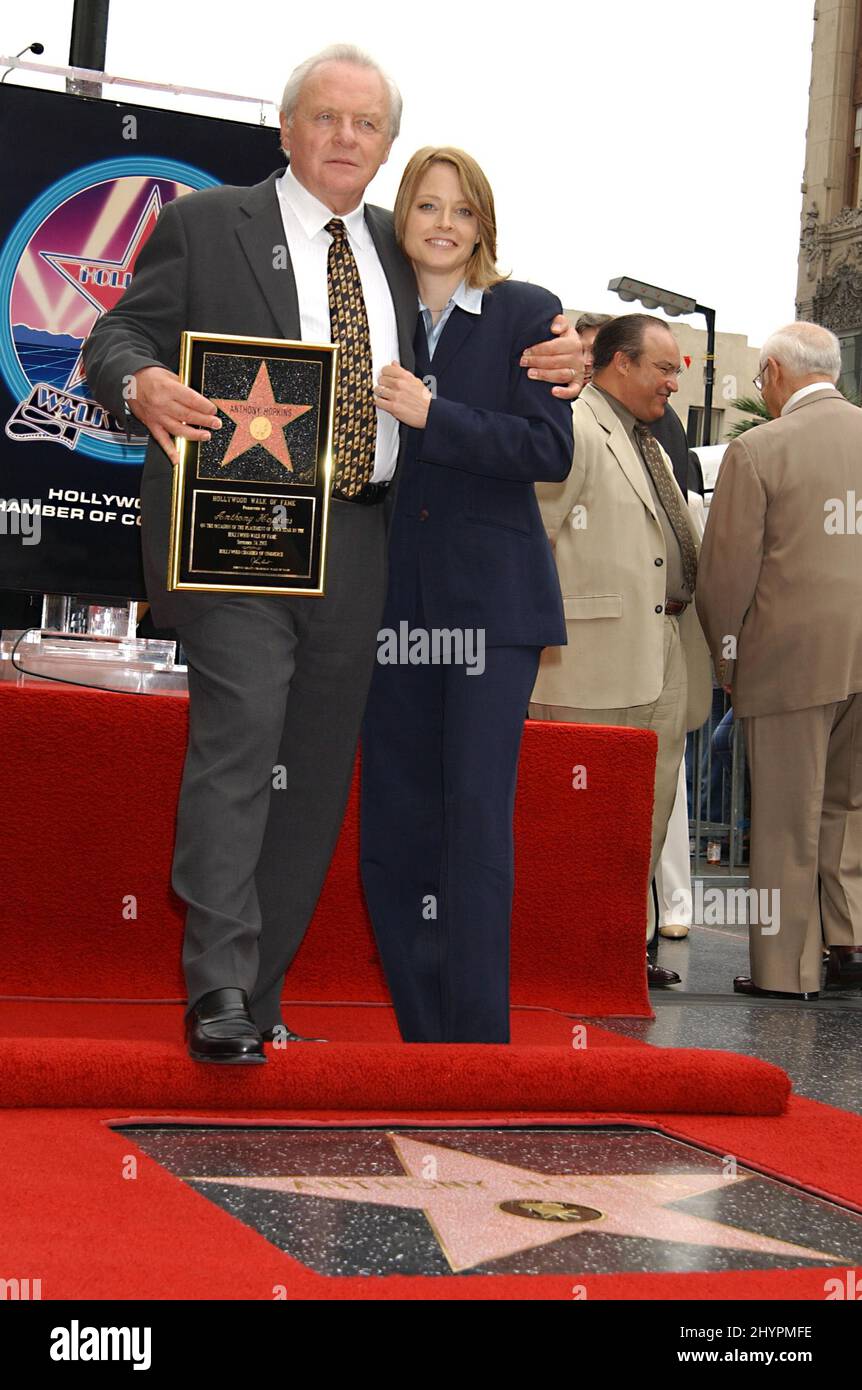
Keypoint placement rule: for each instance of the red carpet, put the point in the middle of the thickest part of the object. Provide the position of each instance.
(127, 1055)
(87, 914)
(87, 1233)
(342, 1023)
(90, 780)
(379, 1076)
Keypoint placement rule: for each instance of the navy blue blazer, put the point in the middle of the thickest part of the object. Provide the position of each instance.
(466, 524)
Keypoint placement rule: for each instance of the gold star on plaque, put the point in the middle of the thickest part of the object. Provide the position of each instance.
(260, 419)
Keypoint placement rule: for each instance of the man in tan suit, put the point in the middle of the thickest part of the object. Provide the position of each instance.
(626, 552)
(780, 597)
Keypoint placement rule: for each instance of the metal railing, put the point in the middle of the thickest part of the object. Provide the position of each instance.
(718, 795)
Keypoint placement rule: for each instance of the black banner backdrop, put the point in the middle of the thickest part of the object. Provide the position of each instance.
(83, 181)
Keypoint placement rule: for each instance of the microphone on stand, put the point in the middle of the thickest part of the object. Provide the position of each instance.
(36, 48)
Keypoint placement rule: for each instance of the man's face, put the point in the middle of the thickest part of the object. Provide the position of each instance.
(588, 337)
(338, 136)
(646, 386)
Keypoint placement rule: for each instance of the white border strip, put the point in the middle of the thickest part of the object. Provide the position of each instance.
(104, 79)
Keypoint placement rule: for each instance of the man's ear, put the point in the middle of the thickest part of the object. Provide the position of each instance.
(285, 133)
(388, 149)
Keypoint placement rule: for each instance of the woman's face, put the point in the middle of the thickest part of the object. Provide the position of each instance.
(441, 230)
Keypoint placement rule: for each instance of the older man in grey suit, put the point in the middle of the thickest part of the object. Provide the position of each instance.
(273, 682)
(780, 598)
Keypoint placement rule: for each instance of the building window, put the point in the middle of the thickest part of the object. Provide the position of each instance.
(851, 197)
(694, 429)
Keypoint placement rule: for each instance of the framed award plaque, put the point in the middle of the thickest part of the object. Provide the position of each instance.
(250, 505)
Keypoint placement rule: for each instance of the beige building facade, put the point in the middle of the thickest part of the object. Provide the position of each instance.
(829, 286)
(736, 366)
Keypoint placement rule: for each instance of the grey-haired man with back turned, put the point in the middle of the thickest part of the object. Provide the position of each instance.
(780, 597)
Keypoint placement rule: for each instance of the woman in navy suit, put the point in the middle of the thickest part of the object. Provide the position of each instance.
(473, 598)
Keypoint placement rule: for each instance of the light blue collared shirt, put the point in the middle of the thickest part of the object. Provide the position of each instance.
(467, 299)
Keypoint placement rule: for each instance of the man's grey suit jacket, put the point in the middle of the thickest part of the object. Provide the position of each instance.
(215, 263)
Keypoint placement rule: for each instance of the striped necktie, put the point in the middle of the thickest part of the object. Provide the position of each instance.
(355, 428)
(671, 499)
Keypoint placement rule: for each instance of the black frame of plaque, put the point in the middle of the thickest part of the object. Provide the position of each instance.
(197, 492)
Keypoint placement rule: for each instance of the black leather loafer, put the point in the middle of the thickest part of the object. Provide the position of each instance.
(743, 984)
(659, 978)
(220, 1029)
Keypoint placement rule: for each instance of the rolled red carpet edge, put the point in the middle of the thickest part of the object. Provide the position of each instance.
(83, 1072)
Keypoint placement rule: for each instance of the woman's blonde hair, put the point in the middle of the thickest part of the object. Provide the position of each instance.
(481, 272)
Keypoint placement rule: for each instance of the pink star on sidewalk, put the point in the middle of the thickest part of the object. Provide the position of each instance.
(482, 1210)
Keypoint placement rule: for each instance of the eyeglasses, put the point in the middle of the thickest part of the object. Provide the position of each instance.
(666, 369)
(758, 380)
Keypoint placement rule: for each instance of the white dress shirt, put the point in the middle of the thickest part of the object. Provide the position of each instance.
(806, 391)
(305, 218)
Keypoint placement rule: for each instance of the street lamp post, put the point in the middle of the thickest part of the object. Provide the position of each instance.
(674, 305)
(88, 44)
(709, 370)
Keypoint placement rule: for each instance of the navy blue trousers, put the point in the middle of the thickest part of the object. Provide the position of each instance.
(439, 768)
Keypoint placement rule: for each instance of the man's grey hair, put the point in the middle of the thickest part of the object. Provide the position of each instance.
(341, 53)
(804, 349)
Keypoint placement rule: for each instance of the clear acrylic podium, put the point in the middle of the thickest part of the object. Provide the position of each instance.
(91, 641)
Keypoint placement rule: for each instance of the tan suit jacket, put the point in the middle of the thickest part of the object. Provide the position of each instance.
(774, 576)
(610, 552)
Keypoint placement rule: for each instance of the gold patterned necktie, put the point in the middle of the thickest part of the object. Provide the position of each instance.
(672, 501)
(355, 428)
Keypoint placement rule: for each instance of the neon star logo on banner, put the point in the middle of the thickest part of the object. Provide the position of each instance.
(102, 282)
